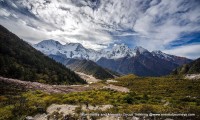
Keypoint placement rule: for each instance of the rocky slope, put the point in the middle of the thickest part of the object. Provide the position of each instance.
(191, 68)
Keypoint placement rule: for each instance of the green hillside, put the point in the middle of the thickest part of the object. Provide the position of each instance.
(21, 61)
(191, 68)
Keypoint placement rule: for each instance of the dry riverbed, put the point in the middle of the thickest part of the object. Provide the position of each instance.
(61, 88)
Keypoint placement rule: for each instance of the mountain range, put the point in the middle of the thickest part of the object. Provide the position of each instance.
(76, 50)
(120, 58)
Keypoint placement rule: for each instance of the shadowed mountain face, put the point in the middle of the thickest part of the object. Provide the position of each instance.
(144, 63)
(141, 65)
(21, 61)
(191, 68)
(85, 66)
(120, 58)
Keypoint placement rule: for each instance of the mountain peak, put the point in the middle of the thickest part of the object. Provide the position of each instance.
(175, 59)
(140, 49)
(73, 44)
(157, 52)
(160, 54)
(74, 47)
(49, 42)
(119, 47)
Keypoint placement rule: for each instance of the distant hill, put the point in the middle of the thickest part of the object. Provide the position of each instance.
(191, 68)
(21, 61)
(85, 66)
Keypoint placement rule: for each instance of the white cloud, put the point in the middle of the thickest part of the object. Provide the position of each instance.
(20, 28)
(189, 51)
(4, 13)
(153, 23)
(161, 23)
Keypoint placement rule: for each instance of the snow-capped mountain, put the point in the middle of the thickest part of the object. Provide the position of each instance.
(69, 50)
(172, 58)
(119, 58)
(118, 51)
(76, 50)
(140, 50)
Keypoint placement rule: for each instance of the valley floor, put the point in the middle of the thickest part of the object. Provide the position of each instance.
(128, 94)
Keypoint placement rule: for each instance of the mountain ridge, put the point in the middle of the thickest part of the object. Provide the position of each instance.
(117, 51)
(85, 66)
(20, 60)
(120, 58)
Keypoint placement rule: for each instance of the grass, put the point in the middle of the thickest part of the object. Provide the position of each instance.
(170, 94)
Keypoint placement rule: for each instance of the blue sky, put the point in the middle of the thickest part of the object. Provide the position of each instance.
(172, 26)
(185, 39)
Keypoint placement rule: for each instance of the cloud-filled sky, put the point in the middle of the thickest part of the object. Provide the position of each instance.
(172, 26)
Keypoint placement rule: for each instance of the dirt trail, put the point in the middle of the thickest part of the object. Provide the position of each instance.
(89, 78)
(61, 88)
(192, 76)
(117, 88)
(46, 87)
